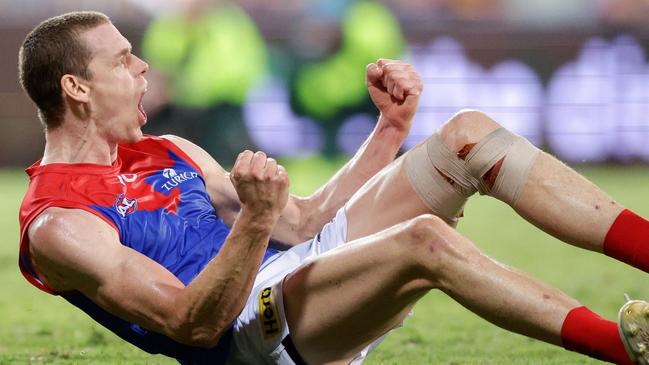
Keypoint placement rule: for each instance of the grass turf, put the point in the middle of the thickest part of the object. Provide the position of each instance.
(36, 328)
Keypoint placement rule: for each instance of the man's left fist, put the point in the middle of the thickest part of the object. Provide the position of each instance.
(394, 87)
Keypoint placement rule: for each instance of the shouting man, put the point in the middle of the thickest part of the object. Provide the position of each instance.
(156, 241)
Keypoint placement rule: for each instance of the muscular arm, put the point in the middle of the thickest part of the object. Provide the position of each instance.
(395, 88)
(302, 218)
(74, 250)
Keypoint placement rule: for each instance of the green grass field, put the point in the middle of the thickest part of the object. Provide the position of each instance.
(36, 328)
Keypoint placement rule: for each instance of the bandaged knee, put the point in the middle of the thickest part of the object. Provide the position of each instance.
(427, 167)
(444, 181)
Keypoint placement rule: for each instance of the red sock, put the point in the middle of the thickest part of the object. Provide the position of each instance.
(628, 240)
(587, 333)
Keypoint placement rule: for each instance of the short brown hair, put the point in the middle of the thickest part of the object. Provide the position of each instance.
(51, 50)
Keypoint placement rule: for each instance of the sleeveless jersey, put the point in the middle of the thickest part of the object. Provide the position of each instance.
(155, 197)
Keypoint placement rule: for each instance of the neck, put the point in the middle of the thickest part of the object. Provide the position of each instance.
(78, 142)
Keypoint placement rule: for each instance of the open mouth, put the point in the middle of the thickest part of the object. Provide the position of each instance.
(141, 112)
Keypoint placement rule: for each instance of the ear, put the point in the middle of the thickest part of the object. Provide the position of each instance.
(74, 88)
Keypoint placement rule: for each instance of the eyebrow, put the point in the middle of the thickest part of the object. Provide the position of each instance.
(124, 51)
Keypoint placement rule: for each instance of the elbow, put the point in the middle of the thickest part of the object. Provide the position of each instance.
(188, 332)
(302, 220)
(308, 229)
(199, 336)
(310, 226)
(205, 337)
(317, 216)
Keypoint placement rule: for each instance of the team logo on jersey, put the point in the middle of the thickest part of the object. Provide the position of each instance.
(125, 205)
(169, 173)
(174, 178)
(270, 324)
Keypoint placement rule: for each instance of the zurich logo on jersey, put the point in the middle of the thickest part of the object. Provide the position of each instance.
(169, 173)
(174, 178)
(125, 205)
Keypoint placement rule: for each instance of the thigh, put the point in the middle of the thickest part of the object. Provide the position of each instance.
(385, 200)
(338, 303)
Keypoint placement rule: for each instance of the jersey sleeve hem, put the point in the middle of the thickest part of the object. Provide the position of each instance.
(176, 149)
(24, 258)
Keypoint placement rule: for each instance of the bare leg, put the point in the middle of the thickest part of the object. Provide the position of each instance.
(365, 288)
(555, 198)
(566, 205)
(385, 200)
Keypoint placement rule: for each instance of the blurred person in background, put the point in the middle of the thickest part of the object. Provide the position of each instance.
(156, 241)
(317, 84)
(624, 12)
(208, 54)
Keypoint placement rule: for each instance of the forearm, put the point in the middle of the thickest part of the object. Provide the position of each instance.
(395, 88)
(378, 150)
(216, 296)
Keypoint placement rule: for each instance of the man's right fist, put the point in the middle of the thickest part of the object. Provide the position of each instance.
(262, 184)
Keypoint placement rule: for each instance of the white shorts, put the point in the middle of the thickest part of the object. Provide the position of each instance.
(260, 331)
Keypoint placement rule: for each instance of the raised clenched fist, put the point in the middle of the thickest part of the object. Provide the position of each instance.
(262, 184)
(394, 87)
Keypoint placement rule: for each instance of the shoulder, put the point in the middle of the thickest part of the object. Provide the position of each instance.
(65, 227)
(203, 159)
(179, 141)
(193, 150)
(64, 240)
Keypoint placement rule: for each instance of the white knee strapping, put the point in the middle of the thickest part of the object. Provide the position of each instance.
(447, 200)
(442, 198)
(519, 156)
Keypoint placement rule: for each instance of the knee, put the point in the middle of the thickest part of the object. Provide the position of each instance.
(426, 241)
(434, 249)
(423, 228)
(466, 128)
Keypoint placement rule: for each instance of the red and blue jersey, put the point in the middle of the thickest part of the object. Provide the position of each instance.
(155, 197)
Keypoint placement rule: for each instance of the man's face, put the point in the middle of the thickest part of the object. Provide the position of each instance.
(117, 85)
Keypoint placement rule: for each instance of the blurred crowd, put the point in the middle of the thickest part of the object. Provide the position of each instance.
(287, 76)
(520, 12)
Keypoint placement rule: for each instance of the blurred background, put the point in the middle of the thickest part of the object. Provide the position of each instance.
(287, 76)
